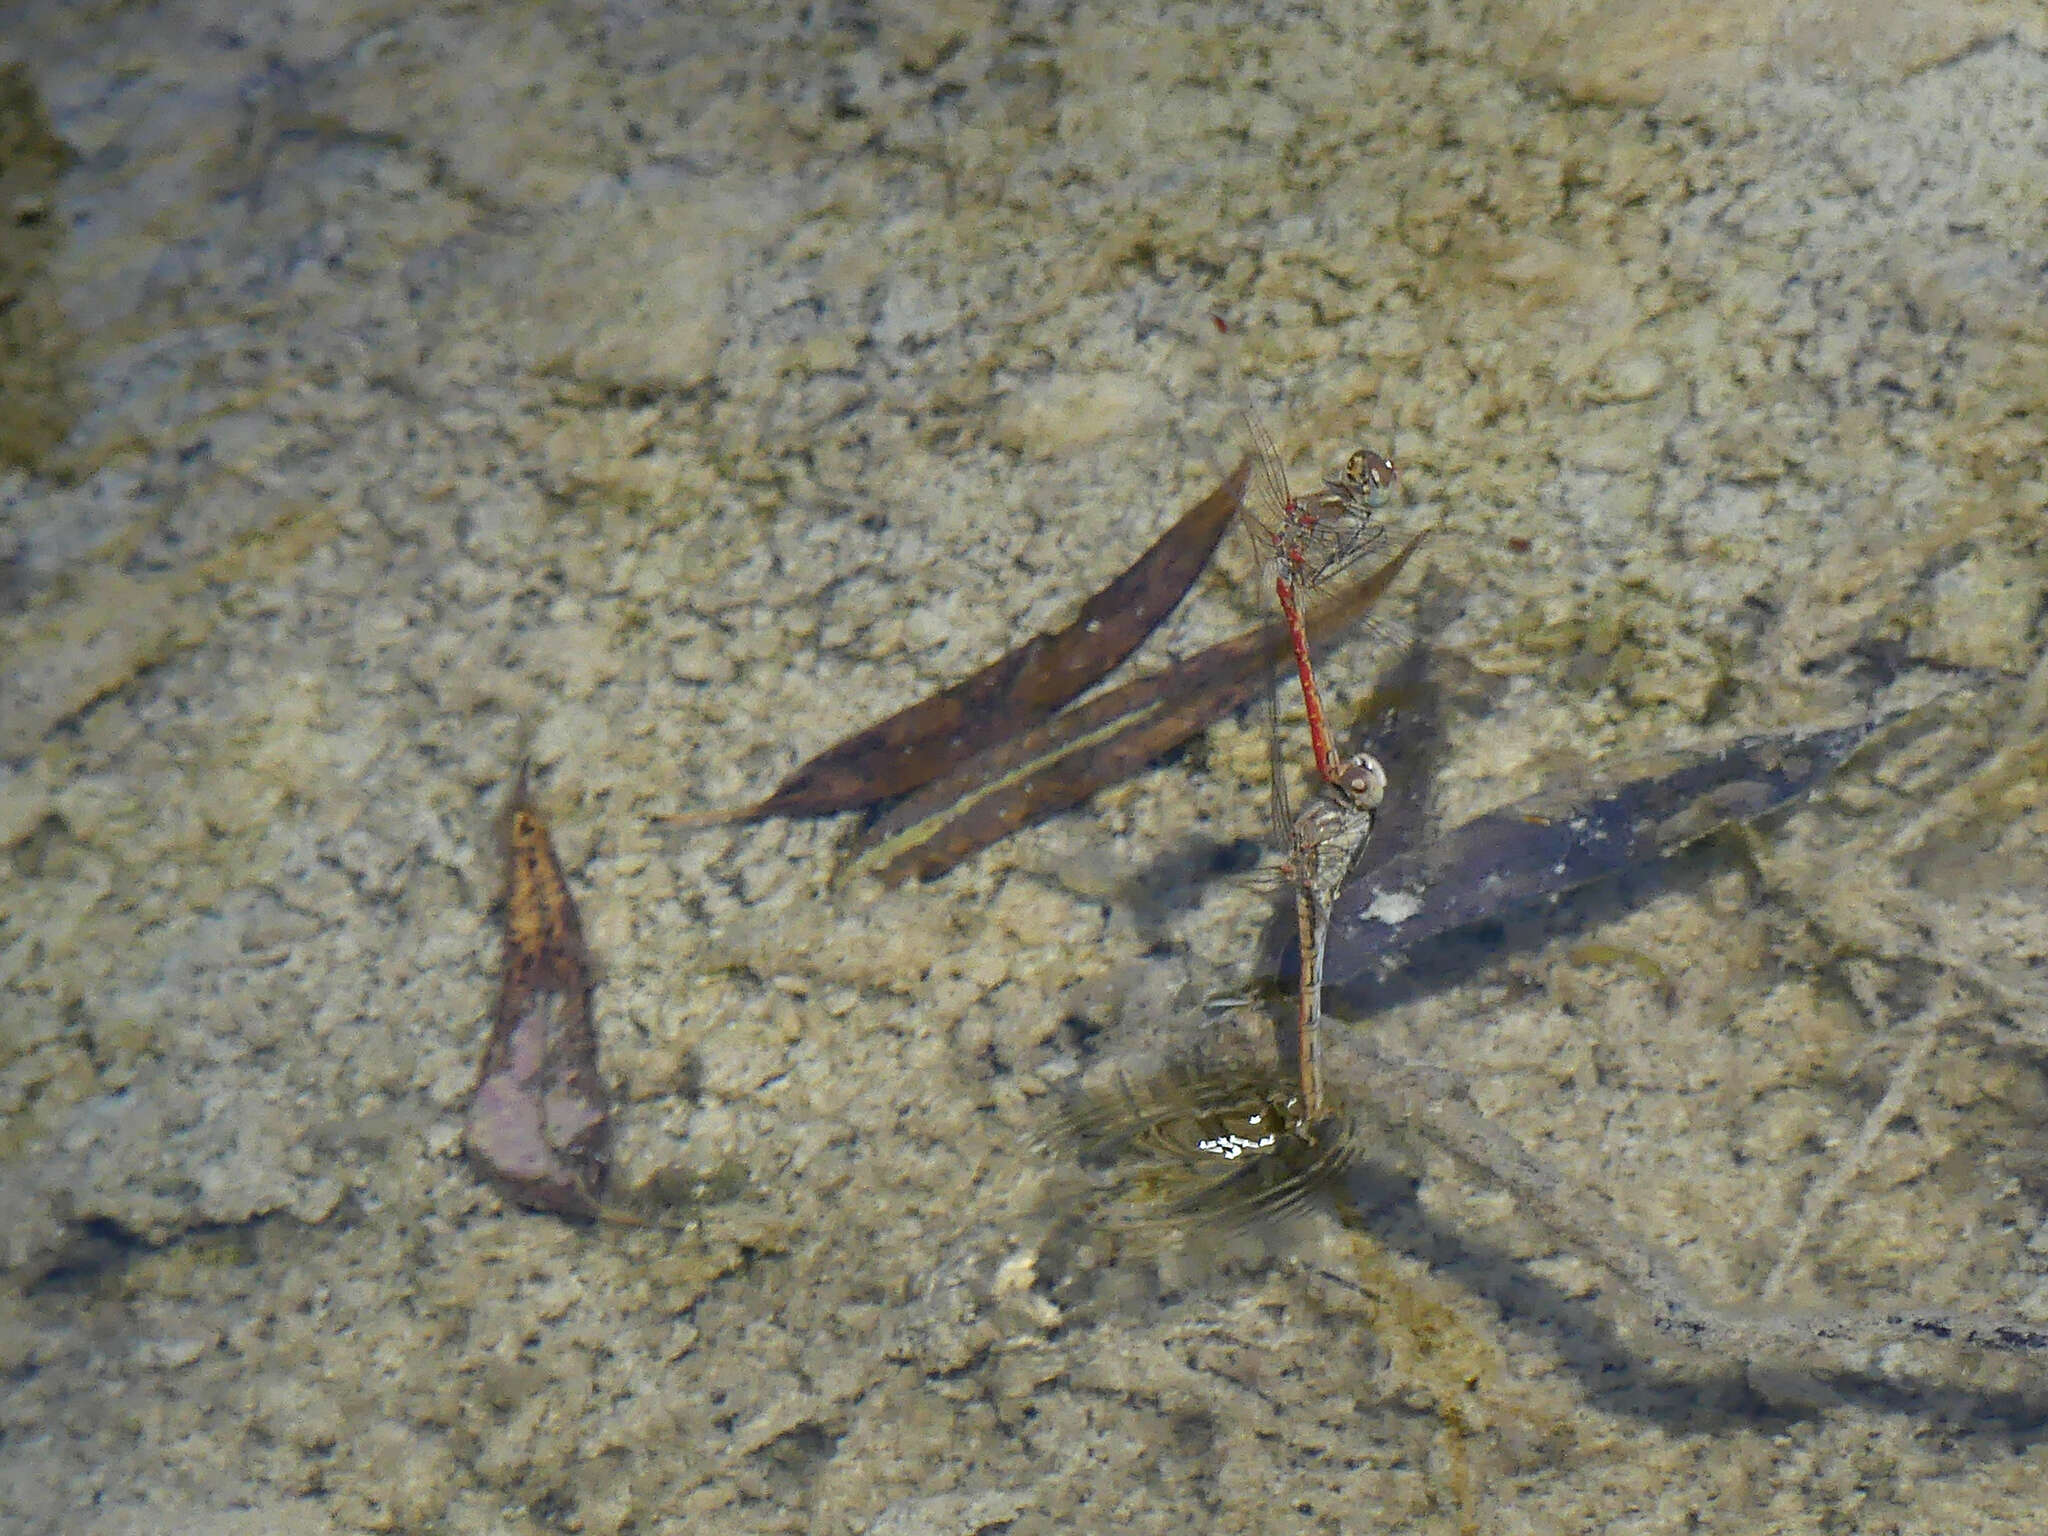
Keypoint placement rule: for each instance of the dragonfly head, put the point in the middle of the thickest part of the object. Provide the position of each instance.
(1368, 476)
(1361, 781)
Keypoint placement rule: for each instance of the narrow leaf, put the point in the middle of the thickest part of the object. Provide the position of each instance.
(1012, 693)
(1099, 743)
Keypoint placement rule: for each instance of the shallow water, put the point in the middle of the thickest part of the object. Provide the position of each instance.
(668, 396)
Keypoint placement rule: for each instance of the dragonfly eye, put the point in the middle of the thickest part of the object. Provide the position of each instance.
(1363, 781)
(1371, 472)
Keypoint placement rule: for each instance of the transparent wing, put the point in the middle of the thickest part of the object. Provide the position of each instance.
(1268, 503)
(1264, 529)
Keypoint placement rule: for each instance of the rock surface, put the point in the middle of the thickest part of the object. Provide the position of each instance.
(669, 391)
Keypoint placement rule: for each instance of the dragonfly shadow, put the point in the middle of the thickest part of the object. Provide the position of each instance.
(1713, 1397)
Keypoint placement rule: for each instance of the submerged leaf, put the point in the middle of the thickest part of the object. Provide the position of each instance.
(539, 1121)
(1013, 692)
(1099, 743)
(1560, 839)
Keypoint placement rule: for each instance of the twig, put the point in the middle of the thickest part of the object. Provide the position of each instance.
(2020, 758)
(1821, 1198)
(1434, 1105)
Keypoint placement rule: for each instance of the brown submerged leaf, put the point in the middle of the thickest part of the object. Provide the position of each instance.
(1067, 759)
(539, 1120)
(1012, 693)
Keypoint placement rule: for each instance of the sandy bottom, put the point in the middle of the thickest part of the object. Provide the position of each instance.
(662, 396)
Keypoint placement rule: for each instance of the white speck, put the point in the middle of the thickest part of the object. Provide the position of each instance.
(171, 1354)
(1394, 907)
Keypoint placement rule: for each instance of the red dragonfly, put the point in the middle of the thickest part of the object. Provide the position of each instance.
(1303, 541)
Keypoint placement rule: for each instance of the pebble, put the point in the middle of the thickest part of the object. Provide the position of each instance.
(1629, 376)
